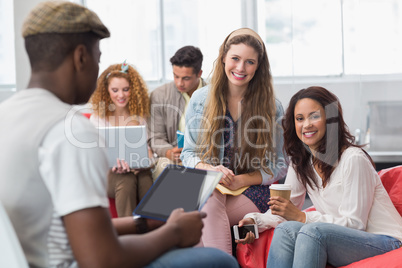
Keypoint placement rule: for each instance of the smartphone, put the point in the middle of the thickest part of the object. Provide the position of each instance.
(241, 232)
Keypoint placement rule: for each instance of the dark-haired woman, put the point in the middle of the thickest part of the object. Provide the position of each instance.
(354, 218)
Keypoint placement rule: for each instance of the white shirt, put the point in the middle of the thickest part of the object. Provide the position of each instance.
(75, 178)
(49, 168)
(354, 197)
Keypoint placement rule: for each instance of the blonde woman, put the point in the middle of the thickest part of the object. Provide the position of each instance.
(231, 127)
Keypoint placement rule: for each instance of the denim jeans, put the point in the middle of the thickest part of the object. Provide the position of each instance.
(194, 258)
(295, 244)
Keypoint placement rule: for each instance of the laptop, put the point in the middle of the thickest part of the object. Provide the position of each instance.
(177, 187)
(127, 143)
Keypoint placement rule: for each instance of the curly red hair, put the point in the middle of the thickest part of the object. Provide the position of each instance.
(138, 104)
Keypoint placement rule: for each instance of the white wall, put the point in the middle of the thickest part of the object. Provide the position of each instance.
(23, 70)
(353, 92)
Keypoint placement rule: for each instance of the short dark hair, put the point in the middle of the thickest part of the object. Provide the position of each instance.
(47, 51)
(188, 56)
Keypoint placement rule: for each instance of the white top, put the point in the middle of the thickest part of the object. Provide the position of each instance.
(50, 166)
(76, 185)
(354, 197)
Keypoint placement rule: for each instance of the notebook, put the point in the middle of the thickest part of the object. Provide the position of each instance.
(177, 187)
(180, 139)
(127, 143)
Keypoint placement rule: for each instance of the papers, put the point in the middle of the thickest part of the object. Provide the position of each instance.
(225, 190)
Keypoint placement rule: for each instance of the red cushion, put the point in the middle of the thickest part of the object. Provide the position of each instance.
(112, 208)
(392, 180)
(255, 255)
(88, 115)
(392, 259)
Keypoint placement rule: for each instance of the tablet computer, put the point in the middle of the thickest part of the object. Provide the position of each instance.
(127, 143)
(177, 187)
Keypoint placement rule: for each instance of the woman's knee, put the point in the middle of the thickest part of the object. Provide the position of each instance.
(288, 229)
(316, 228)
(290, 226)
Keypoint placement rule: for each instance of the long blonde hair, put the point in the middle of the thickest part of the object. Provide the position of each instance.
(138, 103)
(258, 109)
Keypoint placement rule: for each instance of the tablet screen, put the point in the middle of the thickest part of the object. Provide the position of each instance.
(177, 187)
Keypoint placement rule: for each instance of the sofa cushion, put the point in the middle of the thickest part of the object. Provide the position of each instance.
(392, 180)
(392, 259)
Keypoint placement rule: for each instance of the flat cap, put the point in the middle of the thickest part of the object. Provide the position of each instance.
(62, 17)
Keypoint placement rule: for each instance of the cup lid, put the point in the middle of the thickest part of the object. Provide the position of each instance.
(280, 187)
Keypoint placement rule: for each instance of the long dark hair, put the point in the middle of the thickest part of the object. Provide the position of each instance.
(336, 139)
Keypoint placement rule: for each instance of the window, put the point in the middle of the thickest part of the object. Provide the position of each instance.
(373, 36)
(7, 55)
(303, 37)
(333, 37)
(135, 34)
(201, 23)
(148, 33)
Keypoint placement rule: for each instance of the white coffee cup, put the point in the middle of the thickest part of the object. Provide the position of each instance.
(282, 190)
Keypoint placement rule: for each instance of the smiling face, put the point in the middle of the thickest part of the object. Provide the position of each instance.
(119, 90)
(241, 62)
(310, 122)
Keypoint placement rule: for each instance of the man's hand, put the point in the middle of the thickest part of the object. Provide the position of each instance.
(187, 226)
(174, 154)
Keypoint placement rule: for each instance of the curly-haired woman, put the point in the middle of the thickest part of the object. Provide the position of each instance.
(121, 99)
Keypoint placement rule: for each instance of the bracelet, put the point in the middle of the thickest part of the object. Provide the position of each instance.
(141, 225)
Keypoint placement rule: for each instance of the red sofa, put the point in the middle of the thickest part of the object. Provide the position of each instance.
(255, 255)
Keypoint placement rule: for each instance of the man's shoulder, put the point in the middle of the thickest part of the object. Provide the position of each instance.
(35, 97)
(167, 88)
(32, 104)
(167, 93)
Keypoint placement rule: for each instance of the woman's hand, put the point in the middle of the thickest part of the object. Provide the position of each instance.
(250, 237)
(284, 208)
(228, 176)
(121, 167)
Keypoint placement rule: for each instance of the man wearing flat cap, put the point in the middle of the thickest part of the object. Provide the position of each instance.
(53, 188)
